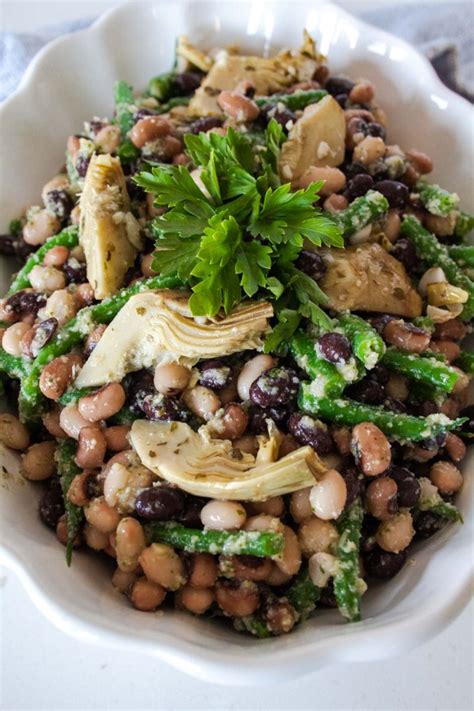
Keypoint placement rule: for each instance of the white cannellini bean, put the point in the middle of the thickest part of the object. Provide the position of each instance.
(328, 496)
(115, 481)
(321, 567)
(433, 275)
(250, 372)
(47, 279)
(223, 515)
(361, 236)
(71, 421)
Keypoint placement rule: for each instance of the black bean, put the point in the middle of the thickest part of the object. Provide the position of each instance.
(435, 442)
(135, 191)
(259, 417)
(379, 322)
(96, 125)
(23, 249)
(408, 486)
(350, 170)
(59, 202)
(367, 390)
(43, 334)
(143, 113)
(427, 523)
(308, 432)
(25, 303)
(158, 407)
(342, 100)
(160, 503)
(382, 565)
(191, 514)
(51, 505)
(94, 486)
(281, 115)
(358, 186)
(187, 82)
(274, 387)
(395, 192)
(377, 130)
(339, 85)
(82, 164)
(205, 124)
(74, 271)
(425, 408)
(327, 597)
(351, 476)
(215, 374)
(335, 347)
(8, 245)
(391, 403)
(138, 386)
(380, 373)
(311, 263)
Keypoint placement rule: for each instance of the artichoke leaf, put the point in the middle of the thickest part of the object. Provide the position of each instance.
(158, 327)
(212, 468)
(108, 232)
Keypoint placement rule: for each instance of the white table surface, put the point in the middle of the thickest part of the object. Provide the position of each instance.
(41, 668)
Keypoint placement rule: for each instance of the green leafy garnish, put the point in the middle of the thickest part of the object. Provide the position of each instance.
(238, 232)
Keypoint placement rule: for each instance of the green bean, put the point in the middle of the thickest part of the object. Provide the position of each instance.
(436, 200)
(424, 322)
(295, 101)
(161, 85)
(426, 370)
(124, 100)
(366, 343)
(465, 361)
(68, 237)
(436, 504)
(67, 470)
(362, 211)
(258, 543)
(252, 624)
(347, 581)
(172, 103)
(125, 416)
(395, 425)
(73, 395)
(127, 152)
(326, 378)
(462, 255)
(464, 224)
(13, 366)
(73, 333)
(436, 255)
(303, 594)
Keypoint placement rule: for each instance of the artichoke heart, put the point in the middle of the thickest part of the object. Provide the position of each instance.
(212, 468)
(108, 232)
(158, 327)
(267, 74)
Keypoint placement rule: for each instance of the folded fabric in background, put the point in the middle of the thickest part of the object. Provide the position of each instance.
(443, 31)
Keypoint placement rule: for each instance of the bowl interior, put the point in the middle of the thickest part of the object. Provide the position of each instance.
(73, 81)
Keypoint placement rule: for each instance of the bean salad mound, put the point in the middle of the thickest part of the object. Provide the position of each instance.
(233, 355)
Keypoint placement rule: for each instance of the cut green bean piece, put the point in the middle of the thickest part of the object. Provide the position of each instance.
(252, 624)
(303, 594)
(347, 580)
(13, 366)
(427, 370)
(124, 106)
(366, 343)
(160, 86)
(436, 255)
(435, 199)
(72, 396)
(296, 101)
(464, 224)
(395, 425)
(465, 361)
(67, 470)
(430, 500)
(69, 238)
(259, 543)
(173, 103)
(326, 378)
(462, 255)
(362, 211)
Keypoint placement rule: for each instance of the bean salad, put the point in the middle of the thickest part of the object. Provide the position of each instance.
(233, 356)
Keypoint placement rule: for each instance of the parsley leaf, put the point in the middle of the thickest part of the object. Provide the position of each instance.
(171, 185)
(176, 256)
(288, 322)
(253, 262)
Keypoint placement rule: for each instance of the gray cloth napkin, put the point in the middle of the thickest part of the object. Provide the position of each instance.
(442, 30)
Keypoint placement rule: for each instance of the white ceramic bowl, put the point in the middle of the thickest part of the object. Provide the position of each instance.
(71, 80)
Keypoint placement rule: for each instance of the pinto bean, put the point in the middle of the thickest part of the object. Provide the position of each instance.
(381, 498)
(369, 150)
(13, 433)
(55, 257)
(452, 330)
(362, 93)
(123, 581)
(406, 337)
(51, 422)
(61, 305)
(446, 477)
(100, 515)
(147, 259)
(421, 161)
(84, 296)
(93, 338)
(202, 570)
(116, 438)
(163, 566)
(335, 203)
(129, 544)
(202, 402)
(91, 447)
(342, 438)
(238, 106)
(300, 505)
(94, 538)
(289, 561)
(71, 421)
(57, 375)
(247, 443)
(78, 491)
(171, 379)
(462, 382)
(103, 403)
(149, 129)
(455, 447)
(371, 448)
(38, 461)
(195, 600)
(236, 598)
(449, 349)
(334, 179)
(146, 596)
(396, 534)
(316, 536)
(232, 424)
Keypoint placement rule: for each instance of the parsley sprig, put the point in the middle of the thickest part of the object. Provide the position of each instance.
(239, 232)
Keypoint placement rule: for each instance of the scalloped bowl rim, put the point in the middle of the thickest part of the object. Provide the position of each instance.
(372, 639)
